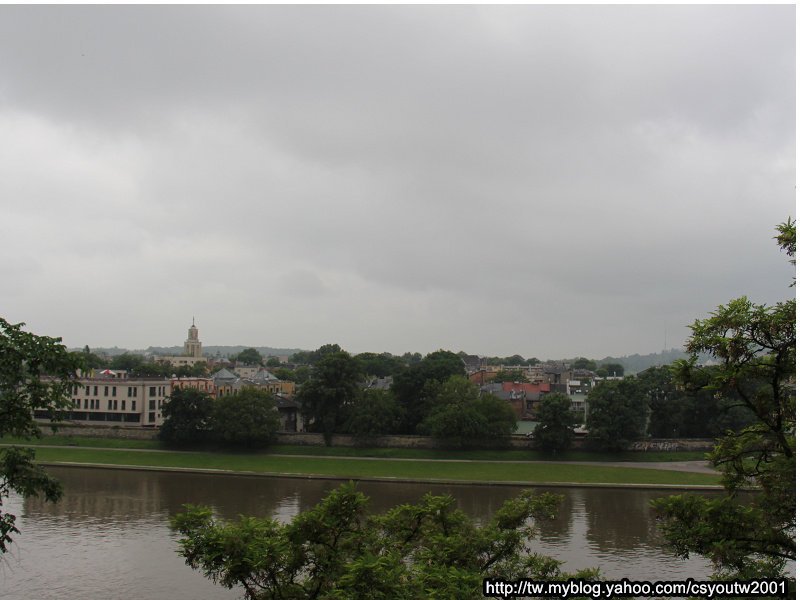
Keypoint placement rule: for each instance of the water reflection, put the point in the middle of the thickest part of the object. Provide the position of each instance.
(109, 536)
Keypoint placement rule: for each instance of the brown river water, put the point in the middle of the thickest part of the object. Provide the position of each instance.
(109, 537)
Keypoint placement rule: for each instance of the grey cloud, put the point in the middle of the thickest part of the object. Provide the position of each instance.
(395, 175)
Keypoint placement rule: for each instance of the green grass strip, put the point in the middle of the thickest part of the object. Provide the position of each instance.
(491, 455)
(472, 471)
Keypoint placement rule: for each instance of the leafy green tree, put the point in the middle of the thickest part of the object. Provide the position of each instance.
(374, 412)
(555, 431)
(515, 361)
(379, 365)
(126, 361)
(92, 360)
(36, 377)
(273, 361)
(250, 356)
(429, 550)
(187, 417)
(680, 411)
(301, 375)
(332, 386)
(461, 417)
(584, 363)
(617, 414)
(284, 373)
(756, 345)
(610, 370)
(247, 419)
(411, 387)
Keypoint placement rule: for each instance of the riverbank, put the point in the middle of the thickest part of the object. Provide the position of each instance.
(530, 473)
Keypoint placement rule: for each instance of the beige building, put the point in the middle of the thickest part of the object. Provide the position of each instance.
(109, 400)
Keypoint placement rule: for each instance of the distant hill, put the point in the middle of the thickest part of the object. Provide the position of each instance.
(638, 362)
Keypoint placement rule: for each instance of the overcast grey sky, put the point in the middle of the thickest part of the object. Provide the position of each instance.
(544, 180)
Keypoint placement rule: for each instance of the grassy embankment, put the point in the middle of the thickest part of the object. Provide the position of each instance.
(276, 462)
(404, 453)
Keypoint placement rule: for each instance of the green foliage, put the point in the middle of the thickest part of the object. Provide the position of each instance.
(187, 417)
(312, 357)
(249, 356)
(337, 551)
(91, 360)
(617, 414)
(610, 370)
(374, 412)
(331, 388)
(460, 417)
(412, 387)
(248, 419)
(756, 345)
(678, 411)
(555, 430)
(273, 361)
(379, 365)
(126, 362)
(584, 363)
(36, 374)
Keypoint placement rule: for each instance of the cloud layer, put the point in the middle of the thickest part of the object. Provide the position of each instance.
(542, 180)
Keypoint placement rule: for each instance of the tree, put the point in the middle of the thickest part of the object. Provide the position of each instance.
(92, 360)
(273, 361)
(461, 417)
(409, 386)
(336, 551)
(36, 375)
(584, 363)
(247, 419)
(617, 414)
(250, 356)
(679, 412)
(756, 345)
(126, 361)
(379, 365)
(374, 412)
(610, 370)
(555, 431)
(187, 417)
(333, 385)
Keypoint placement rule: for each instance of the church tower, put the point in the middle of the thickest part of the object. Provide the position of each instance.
(192, 346)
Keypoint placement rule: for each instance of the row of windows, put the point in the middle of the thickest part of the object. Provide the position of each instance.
(133, 391)
(94, 404)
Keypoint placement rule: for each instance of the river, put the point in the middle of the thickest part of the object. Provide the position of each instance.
(109, 536)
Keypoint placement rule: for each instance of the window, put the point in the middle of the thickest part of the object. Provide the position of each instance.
(152, 391)
(115, 405)
(114, 390)
(95, 390)
(85, 404)
(130, 392)
(133, 404)
(123, 405)
(151, 417)
(134, 392)
(88, 390)
(105, 391)
(152, 404)
(109, 404)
